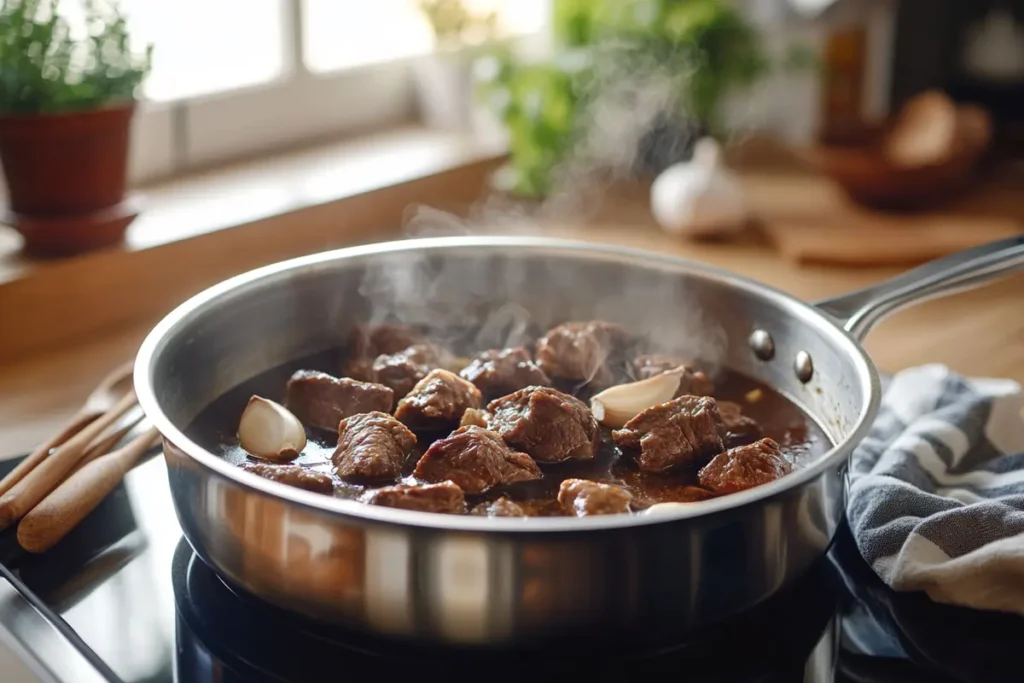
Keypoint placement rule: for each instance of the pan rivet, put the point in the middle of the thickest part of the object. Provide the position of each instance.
(762, 344)
(803, 366)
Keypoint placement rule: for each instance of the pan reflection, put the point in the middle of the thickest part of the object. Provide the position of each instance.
(226, 635)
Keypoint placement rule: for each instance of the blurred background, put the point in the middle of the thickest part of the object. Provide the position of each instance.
(153, 148)
(852, 133)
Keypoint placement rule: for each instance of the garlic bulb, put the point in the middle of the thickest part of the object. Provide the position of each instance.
(269, 431)
(617, 405)
(700, 197)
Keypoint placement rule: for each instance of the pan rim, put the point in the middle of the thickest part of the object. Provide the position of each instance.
(158, 339)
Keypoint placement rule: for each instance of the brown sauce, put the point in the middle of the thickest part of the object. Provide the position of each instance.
(800, 437)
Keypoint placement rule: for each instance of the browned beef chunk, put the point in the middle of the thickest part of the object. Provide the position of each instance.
(293, 475)
(653, 488)
(693, 382)
(736, 429)
(372, 446)
(437, 402)
(476, 459)
(499, 373)
(545, 423)
(503, 507)
(582, 351)
(366, 342)
(319, 400)
(580, 497)
(474, 416)
(401, 371)
(745, 467)
(651, 364)
(443, 497)
(679, 432)
(689, 494)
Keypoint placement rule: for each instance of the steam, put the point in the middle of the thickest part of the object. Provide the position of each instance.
(627, 95)
(470, 302)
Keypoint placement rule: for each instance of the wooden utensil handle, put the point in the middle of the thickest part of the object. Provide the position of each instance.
(74, 425)
(101, 445)
(27, 493)
(59, 512)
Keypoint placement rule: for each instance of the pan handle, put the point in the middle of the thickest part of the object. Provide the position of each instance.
(858, 311)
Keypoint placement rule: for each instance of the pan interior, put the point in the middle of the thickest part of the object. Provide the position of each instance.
(485, 293)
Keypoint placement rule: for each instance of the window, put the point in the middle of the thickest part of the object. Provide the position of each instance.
(233, 44)
(346, 33)
(239, 77)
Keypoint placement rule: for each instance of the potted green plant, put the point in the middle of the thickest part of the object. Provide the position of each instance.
(705, 47)
(66, 106)
(444, 78)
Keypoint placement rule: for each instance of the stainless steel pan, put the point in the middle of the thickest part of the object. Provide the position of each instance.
(494, 581)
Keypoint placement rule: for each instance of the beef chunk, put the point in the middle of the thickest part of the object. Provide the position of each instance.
(545, 423)
(694, 494)
(437, 402)
(693, 381)
(499, 373)
(678, 432)
(292, 475)
(474, 416)
(503, 507)
(651, 364)
(736, 429)
(443, 497)
(366, 342)
(580, 497)
(688, 494)
(372, 446)
(401, 371)
(476, 459)
(373, 340)
(745, 467)
(582, 351)
(319, 400)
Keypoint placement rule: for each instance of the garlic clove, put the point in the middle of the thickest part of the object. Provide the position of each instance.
(666, 508)
(617, 405)
(269, 431)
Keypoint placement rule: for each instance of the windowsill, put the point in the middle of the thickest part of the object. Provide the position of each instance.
(197, 230)
(242, 193)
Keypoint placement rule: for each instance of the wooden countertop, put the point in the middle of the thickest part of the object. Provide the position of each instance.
(977, 333)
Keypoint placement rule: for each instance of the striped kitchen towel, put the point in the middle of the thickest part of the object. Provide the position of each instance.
(937, 489)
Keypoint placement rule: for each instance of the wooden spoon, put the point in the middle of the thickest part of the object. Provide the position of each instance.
(102, 399)
(69, 503)
(101, 445)
(35, 485)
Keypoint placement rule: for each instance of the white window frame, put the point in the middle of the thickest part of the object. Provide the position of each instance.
(173, 137)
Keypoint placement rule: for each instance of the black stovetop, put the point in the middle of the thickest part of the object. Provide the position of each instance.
(131, 592)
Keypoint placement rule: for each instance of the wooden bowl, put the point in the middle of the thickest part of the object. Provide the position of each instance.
(870, 178)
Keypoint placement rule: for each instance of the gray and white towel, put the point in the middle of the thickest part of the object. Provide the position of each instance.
(937, 489)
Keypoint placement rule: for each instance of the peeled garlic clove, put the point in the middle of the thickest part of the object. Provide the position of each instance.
(617, 405)
(269, 431)
(666, 508)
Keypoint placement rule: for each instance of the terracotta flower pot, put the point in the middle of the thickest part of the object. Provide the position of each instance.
(66, 176)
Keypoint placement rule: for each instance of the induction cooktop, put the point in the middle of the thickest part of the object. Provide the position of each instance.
(124, 599)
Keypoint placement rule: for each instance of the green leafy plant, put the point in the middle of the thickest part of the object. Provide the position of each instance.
(455, 26)
(709, 41)
(538, 104)
(44, 69)
(706, 46)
